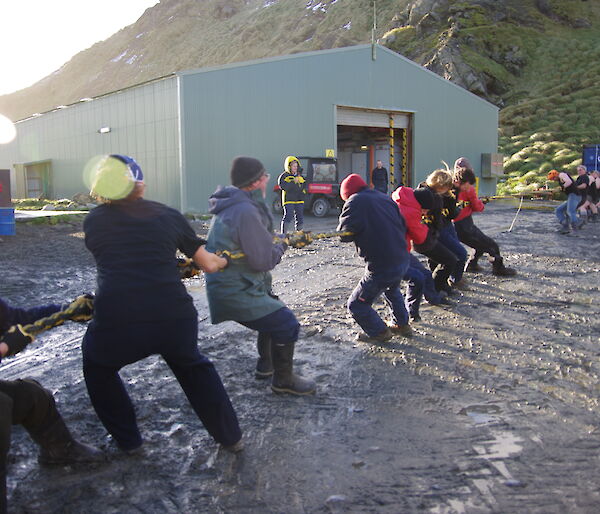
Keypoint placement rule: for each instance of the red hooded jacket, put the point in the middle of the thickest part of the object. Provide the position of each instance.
(472, 203)
(416, 231)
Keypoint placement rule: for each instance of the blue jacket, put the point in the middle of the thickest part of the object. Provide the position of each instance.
(379, 231)
(10, 316)
(242, 223)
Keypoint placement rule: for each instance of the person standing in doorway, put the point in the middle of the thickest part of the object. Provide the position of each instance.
(379, 178)
(293, 193)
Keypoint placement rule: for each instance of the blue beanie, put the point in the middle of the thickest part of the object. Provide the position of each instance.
(134, 167)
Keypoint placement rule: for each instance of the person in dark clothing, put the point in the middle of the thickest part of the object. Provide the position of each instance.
(468, 233)
(25, 402)
(379, 178)
(582, 183)
(142, 308)
(378, 231)
(243, 292)
(293, 193)
(421, 209)
(440, 182)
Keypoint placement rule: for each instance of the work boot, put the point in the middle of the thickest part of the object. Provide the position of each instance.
(57, 446)
(284, 378)
(264, 364)
(234, 448)
(500, 270)
(473, 266)
(461, 285)
(382, 337)
(402, 330)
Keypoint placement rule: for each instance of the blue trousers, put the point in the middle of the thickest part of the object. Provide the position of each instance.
(293, 210)
(449, 238)
(420, 283)
(570, 208)
(106, 351)
(281, 325)
(370, 287)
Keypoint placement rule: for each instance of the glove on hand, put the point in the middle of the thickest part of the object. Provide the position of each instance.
(82, 308)
(16, 339)
(187, 268)
(226, 254)
(299, 239)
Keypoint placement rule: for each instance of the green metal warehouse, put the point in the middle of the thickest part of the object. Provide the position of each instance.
(358, 104)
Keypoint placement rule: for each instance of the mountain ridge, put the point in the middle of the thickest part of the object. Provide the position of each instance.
(538, 60)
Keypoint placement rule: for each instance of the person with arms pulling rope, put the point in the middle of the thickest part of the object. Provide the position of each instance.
(243, 291)
(142, 308)
(25, 402)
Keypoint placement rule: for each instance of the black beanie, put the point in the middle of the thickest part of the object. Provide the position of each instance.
(245, 171)
(424, 196)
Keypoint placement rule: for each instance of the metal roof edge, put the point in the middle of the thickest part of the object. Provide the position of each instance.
(413, 63)
(276, 58)
(108, 93)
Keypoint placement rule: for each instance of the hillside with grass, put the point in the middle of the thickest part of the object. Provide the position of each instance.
(538, 60)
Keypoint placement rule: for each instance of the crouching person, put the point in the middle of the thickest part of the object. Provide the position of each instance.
(25, 402)
(378, 231)
(242, 292)
(142, 308)
(468, 233)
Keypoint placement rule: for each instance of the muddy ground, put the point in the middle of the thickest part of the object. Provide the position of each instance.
(491, 407)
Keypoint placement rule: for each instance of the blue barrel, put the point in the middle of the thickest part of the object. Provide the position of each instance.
(7, 222)
(591, 157)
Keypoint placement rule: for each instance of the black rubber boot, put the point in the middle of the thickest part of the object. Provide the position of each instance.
(499, 269)
(284, 378)
(57, 446)
(264, 364)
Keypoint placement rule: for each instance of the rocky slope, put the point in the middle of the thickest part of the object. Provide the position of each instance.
(536, 59)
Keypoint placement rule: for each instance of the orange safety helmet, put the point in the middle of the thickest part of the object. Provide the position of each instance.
(553, 175)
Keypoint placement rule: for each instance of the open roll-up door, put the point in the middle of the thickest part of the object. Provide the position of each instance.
(370, 118)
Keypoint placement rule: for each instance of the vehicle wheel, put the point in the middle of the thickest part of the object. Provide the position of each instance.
(320, 207)
(277, 209)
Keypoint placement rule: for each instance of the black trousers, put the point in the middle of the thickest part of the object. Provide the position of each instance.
(22, 402)
(106, 351)
(471, 236)
(446, 265)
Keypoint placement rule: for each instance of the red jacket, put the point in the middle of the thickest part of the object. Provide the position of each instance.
(472, 203)
(416, 231)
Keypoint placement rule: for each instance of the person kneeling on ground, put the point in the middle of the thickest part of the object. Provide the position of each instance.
(242, 292)
(468, 233)
(378, 231)
(142, 308)
(25, 402)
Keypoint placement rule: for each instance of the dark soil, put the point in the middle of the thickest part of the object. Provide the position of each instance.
(491, 407)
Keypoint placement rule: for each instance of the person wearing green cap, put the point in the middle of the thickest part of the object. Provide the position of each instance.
(142, 308)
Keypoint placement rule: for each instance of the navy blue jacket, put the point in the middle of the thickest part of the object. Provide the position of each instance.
(10, 316)
(379, 231)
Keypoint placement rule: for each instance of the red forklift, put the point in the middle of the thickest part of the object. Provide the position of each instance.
(322, 186)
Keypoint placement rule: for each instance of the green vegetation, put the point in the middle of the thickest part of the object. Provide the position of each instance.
(35, 204)
(541, 66)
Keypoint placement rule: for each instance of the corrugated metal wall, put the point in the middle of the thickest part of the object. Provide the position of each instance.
(271, 108)
(143, 123)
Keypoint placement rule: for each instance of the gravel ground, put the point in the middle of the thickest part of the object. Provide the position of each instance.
(492, 406)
